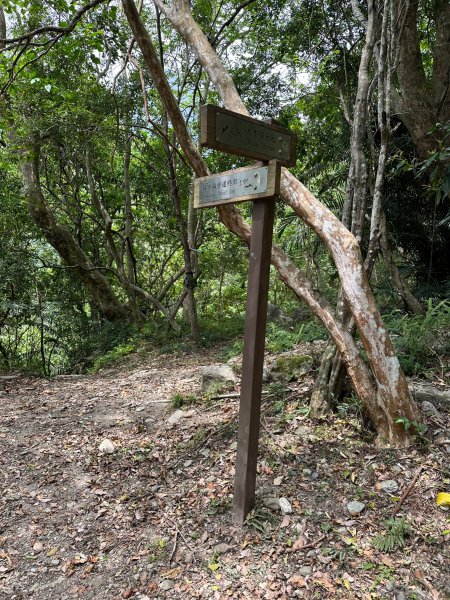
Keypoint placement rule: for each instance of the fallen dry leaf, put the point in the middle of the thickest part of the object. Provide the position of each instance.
(435, 595)
(298, 581)
(443, 499)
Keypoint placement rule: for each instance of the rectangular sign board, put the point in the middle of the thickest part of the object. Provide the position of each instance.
(238, 134)
(238, 185)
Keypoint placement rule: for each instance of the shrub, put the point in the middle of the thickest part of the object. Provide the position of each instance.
(280, 339)
(419, 339)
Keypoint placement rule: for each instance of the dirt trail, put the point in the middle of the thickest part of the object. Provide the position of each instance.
(153, 520)
(54, 488)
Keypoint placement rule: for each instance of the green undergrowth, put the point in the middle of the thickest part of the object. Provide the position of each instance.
(112, 357)
(182, 400)
(280, 338)
(397, 529)
(106, 345)
(111, 343)
(421, 340)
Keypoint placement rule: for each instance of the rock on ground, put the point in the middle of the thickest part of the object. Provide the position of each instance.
(290, 368)
(217, 375)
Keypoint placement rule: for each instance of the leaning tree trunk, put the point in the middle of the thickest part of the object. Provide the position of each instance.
(410, 301)
(62, 241)
(130, 273)
(189, 302)
(391, 397)
(360, 182)
(329, 383)
(126, 278)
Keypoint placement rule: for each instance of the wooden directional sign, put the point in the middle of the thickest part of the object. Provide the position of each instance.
(237, 134)
(239, 185)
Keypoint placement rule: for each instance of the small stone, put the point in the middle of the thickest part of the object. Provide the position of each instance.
(400, 596)
(188, 463)
(389, 586)
(54, 562)
(285, 505)
(306, 570)
(278, 481)
(430, 410)
(303, 431)
(342, 529)
(38, 547)
(290, 368)
(178, 415)
(166, 585)
(107, 447)
(390, 486)
(221, 548)
(310, 553)
(216, 376)
(355, 507)
(307, 472)
(286, 521)
(272, 503)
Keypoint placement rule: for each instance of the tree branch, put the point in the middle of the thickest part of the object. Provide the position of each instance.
(52, 28)
(158, 305)
(230, 20)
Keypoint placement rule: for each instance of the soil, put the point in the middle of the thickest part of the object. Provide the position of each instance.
(153, 519)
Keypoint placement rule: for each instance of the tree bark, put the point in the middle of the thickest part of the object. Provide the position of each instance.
(2, 26)
(440, 78)
(422, 104)
(391, 397)
(359, 182)
(327, 392)
(189, 280)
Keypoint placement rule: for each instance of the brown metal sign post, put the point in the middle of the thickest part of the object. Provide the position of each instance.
(244, 136)
(253, 358)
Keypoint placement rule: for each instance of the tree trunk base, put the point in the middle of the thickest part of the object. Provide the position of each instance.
(321, 398)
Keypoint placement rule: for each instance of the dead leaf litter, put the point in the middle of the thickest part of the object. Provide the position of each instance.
(102, 498)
